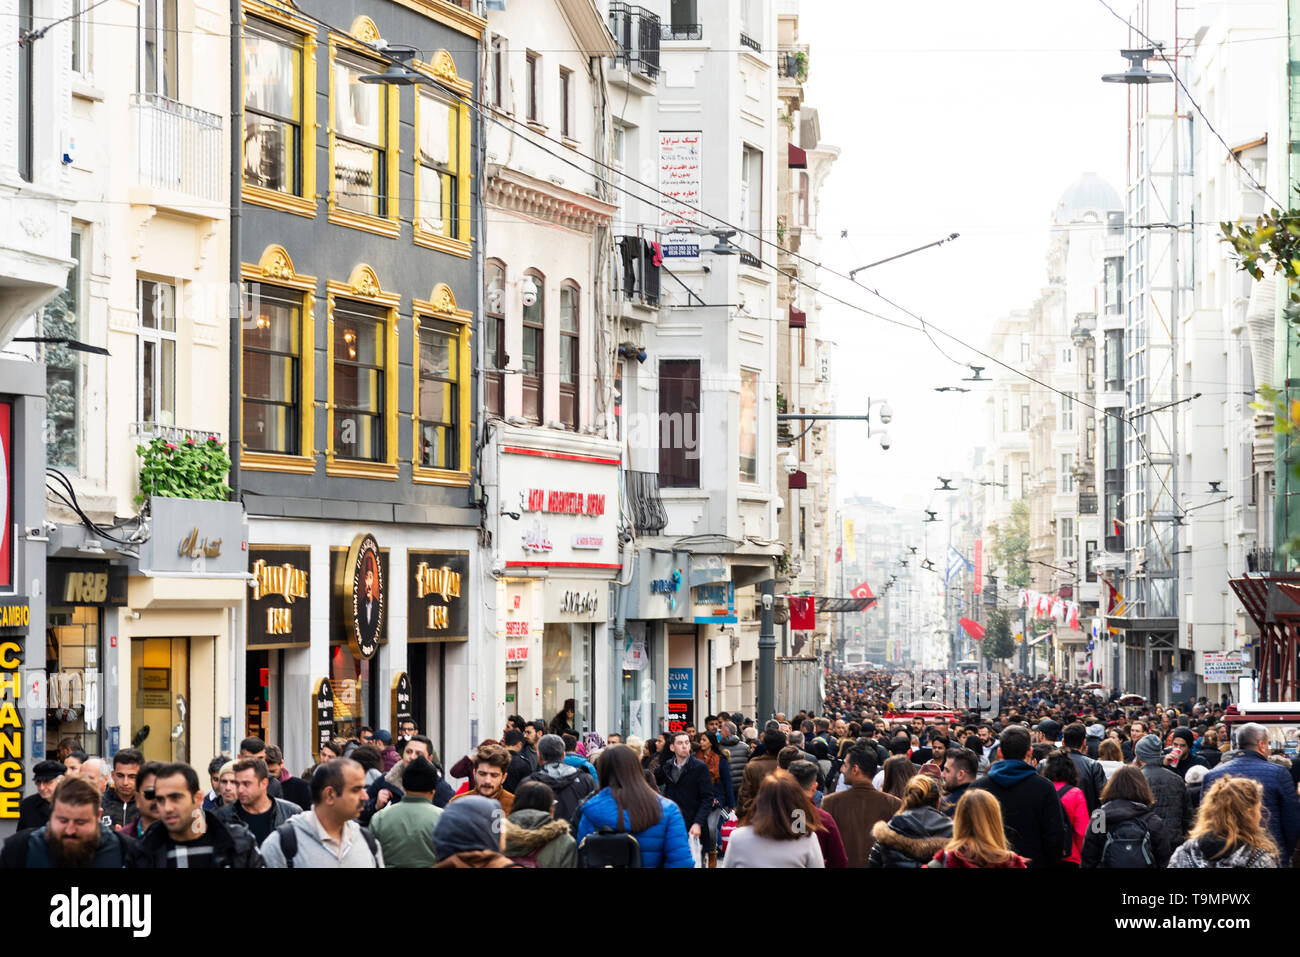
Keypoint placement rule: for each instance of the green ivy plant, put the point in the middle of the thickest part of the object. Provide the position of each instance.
(187, 469)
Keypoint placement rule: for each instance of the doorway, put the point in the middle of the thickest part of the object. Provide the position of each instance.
(160, 698)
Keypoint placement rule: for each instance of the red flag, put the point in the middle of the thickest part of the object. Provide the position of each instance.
(839, 553)
(803, 613)
(973, 628)
(862, 590)
(1115, 524)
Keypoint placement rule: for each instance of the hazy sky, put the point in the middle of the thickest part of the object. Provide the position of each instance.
(951, 117)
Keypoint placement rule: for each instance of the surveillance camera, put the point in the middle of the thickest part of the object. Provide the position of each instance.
(528, 291)
(790, 462)
(780, 504)
(884, 440)
(886, 413)
(767, 602)
(498, 565)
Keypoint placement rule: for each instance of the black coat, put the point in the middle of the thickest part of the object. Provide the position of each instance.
(570, 791)
(1032, 817)
(295, 790)
(909, 838)
(33, 811)
(1173, 802)
(692, 792)
(737, 755)
(233, 845)
(520, 768)
(1115, 813)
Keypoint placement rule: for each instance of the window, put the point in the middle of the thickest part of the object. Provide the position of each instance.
(1024, 413)
(1006, 415)
(359, 387)
(360, 138)
(26, 93)
(1024, 349)
(500, 72)
(61, 318)
(534, 346)
(437, 159)
(272, 370)
(438, 396)
(1112, 283)
(158, 39)
(1067, 471)
(1067, 538)
(1090, 438)
(80, 37)
(751, 199)
(804, 198)
(679, 423)
(569, 356)
(531, 92)
(494, 331)
(566, 102)
(273, 121)
(1114, 360)
(1006, 479)
(1024, 480)
(1089, 553)
(685, 18)
(748, 425)
(1090, 367)
(156, 352)
(1114, 457)
(1067, 412)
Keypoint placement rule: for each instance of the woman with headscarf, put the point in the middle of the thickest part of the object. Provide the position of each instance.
(468, 835)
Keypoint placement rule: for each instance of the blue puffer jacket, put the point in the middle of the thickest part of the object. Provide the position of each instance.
(664, 844)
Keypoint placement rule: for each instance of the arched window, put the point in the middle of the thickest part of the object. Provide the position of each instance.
(569, 355)
(533, 290)
(494, 351)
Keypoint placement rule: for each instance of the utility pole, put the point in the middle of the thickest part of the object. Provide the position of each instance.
(767, 653)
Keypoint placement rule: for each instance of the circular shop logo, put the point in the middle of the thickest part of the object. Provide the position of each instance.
(367, 605)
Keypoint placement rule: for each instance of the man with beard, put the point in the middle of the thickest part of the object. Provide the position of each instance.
(491, 762)
(75, 836)
(186, 835)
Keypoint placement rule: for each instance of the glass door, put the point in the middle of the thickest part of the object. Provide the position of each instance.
(160, 697)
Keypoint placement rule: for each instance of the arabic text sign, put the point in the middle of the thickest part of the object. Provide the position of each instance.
(680, 166)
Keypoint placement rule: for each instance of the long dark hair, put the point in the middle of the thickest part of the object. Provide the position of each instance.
(620, 772)
(898, 771)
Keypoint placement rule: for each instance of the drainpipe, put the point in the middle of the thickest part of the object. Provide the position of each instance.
(236, 368)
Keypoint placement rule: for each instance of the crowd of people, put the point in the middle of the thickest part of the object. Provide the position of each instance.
(1058, 777)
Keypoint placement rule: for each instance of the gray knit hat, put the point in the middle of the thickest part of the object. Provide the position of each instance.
(1096, 731)
(1149, 750)
(470, 823)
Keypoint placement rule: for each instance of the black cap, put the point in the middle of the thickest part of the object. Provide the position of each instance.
(48, 771)
(420, 775)
(1049, 729)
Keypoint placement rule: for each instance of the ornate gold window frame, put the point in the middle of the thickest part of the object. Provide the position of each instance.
(281, 13)
(441, 305)
(363, 286)
(364, 34)
(275, 267)
(442, 69)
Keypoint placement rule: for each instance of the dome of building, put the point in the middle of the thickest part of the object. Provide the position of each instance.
(1088, 192)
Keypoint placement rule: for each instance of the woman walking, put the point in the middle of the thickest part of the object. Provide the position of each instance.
(625, 801)
(780, 829)
(1229, 831)
(977, 836)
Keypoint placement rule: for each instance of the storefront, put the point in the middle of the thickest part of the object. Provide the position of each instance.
(82, 598)
(379, 623)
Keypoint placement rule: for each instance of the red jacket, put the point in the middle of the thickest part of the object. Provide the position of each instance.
(954, 859)
(832, 844)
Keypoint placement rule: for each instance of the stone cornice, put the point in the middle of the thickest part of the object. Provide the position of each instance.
(512, 190)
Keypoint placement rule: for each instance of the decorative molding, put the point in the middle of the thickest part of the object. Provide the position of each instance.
(207, 239)
(518, 192)
(364, 29)
(276, 263)
(364, 282)
(269, 462)
(141, 215)
(34, 226)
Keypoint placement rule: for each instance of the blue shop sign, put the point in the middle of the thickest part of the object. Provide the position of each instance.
(715, 603)
(681, 683)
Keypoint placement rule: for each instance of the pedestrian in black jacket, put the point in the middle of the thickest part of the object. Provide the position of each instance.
(1092, 776)
(520, 766)
(34, 810)
(686, 782)
(737, 755)
(188, 836)
(1173, 804)
(1032, 815)
(571, 786)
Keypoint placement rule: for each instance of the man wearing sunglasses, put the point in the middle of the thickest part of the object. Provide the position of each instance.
(186, 835)
(146, 801)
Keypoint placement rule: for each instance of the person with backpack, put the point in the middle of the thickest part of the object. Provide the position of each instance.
(1060, 769)
(569, 786)
(1126, 832)
(1031, 810)
(627, 823)
(328, 835)
(1172, 802)
(535, 836)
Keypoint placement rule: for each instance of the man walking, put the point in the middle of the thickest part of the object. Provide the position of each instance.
(405, 830)
(960, 767)
(295, 789)
(34, 810)
(686, 782)
(75, 836)
(119, 800)
(254, 808)
(858, 808)
(1032, 815)
(570, 785)
(1173, 802)
(490, 764)
(186, 835)
(757, 768)
(1281, 806)
(328, 835)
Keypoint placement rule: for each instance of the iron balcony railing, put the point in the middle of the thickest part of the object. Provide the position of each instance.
(792, 62)
(178, 147)
(637, 31)
(1259, 561)
(148, 431)
(682, 31)
(646, 504)
(747, 41)
(637, 276)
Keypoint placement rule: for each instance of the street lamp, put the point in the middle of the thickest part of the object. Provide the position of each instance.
(1137, 74)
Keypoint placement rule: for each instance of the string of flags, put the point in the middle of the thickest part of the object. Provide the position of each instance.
(1050, 606)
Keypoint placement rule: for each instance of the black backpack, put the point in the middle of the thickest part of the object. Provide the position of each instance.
(289, 843)
(1128, 844)
(607, 847)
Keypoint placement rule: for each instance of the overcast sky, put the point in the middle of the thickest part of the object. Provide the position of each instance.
(951, 117)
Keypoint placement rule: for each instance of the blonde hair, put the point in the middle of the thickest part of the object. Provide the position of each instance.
(1230, 812)
(977, 833)
(635, 742)
(922, 791)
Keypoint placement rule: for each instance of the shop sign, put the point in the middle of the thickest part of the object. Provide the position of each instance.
(520, 606)
(715, 603)
(279, 603)
(563, 503)
(12, 777)
(589, 541)
(1223, 666)
(360, 595)
(516, 654)
(635, 656)
(436, 605)
(322, 714)
(192, 536)
(538, 539)
(85, 583)
(15, 613)
(681, 683)
(575, 601)
(681, 715)
(401, 700)
(6, 495)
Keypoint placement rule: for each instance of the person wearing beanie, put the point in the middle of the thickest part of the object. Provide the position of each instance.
(1173, 803)
(34, 810)
(470, 833)
(1184, 738)
(384, 741)
(405, 828)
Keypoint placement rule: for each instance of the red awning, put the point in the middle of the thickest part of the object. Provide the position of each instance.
(798, 318)
(797, 158)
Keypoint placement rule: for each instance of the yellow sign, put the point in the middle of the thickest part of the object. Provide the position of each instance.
(850, 553)
(192, 547)
(16, 616)
(284, 580)
(11, 731)
(436, 581)
(85, 588)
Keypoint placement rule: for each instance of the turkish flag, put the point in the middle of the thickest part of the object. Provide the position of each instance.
(839, 553)
(862, 590)
(973, 628)
(803, 613)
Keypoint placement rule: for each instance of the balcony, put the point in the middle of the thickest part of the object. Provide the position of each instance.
(792, 63)
(1259, 561)
(1087, 503)
(638, 276)
(682, 31)
(1115, 543)
(178, 148)
(645, 502)
(637, 32)
(148, 431)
